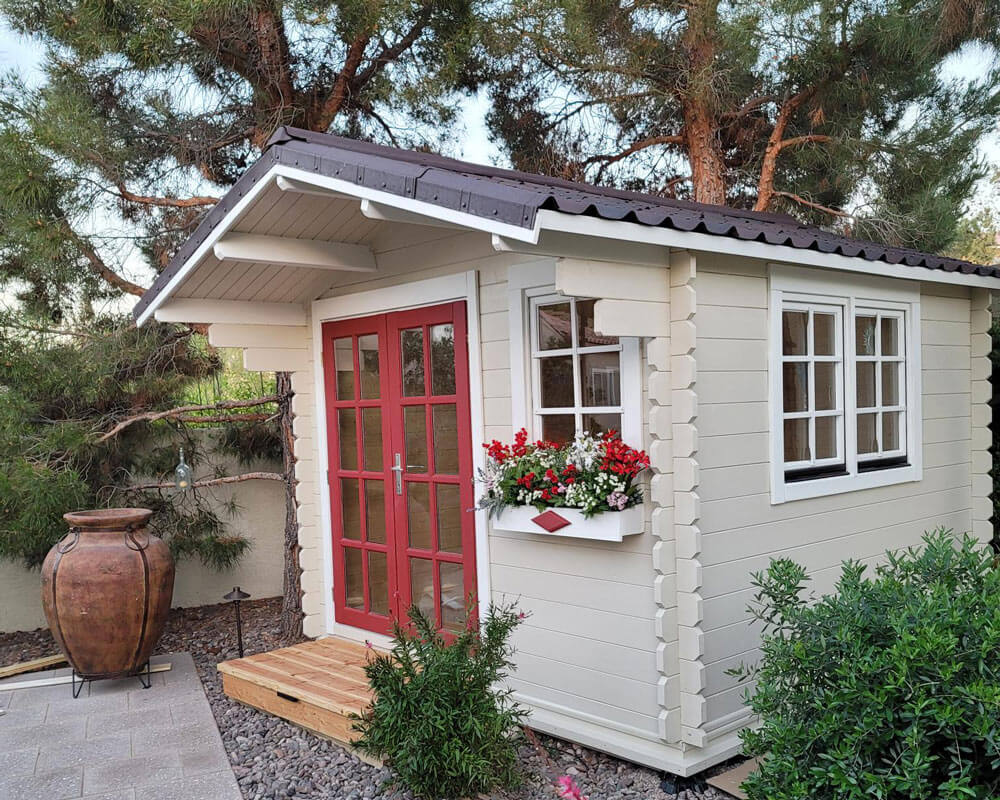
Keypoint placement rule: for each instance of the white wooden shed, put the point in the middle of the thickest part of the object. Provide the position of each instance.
(800, 394)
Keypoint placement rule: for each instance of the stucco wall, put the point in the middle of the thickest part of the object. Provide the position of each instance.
(260, 518)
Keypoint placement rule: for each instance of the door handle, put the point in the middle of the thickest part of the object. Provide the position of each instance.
(397, 471)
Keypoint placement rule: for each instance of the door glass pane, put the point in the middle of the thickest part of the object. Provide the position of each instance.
(864, 335)
(796, 440)
(795, 386)
(559, 428)
(418, 514)
(602, 423)
(826, 386)
(554, 327)
(375, 511)
(348, 434)
(824, 334)
(890, 383)
(378, 583)
(443, 359)
(412, 343)
(826, 437)
(452, 596)
(867, 442)
(890, 430)
(354, 579)
(445, 421)
(794, 325)
(890, 336)
(866, 384)
(449, 517)
(368, 358)
(371, 432)
(422, 585)
(585, 333)
(350, 508)
(557, 382)
(343, 360)
(415, 428)
(601, 376)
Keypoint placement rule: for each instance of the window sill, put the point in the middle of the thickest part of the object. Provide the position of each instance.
(840, 484)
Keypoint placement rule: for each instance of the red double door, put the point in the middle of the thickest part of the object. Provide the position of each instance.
(400, 472)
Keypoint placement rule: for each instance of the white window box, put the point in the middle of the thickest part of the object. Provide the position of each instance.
(609, 526)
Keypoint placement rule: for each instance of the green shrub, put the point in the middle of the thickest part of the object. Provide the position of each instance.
(890, 688)
(440, 718)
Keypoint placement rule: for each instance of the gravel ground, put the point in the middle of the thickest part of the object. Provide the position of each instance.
(275, 759)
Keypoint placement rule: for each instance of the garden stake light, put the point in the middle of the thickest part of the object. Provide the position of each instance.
(235, 596)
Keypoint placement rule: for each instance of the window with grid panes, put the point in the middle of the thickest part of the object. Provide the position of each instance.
(843, 405)
(576, 372)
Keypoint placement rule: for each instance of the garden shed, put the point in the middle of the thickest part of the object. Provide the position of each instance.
(799, 394)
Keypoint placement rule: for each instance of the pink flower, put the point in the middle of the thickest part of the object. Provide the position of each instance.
(617, 500)
(369, 645)
(522, 615)
(569, 790)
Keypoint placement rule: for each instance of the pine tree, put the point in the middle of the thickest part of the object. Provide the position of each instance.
(839, 111)
(146, 112)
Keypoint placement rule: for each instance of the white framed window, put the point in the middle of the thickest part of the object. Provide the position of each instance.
(565, 376)
(845, 370)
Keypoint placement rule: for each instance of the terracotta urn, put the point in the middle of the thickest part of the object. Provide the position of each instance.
(106, 589)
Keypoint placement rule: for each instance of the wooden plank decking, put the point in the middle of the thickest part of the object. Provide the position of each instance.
(316, 684)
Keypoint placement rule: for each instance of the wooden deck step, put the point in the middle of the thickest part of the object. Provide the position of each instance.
(316, 684)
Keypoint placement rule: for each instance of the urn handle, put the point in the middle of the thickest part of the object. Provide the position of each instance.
(65, 546)
(131, 542)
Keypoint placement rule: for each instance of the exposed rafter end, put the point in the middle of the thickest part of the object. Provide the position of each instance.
(571, 245)
(387, 213)
(283, 250)
(301, 187)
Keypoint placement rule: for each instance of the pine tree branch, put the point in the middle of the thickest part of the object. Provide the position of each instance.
(246, 476)
(327, 111)
(166, 202)
(390, 53)
(635, 147)
(795, 198)
(217, 418)
(99, 266)
(153, 416)
(812, 138)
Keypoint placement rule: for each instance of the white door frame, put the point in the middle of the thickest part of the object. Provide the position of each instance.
(416, 294)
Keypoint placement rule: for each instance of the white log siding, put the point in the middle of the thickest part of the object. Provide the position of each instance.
(589, 661)
(741, 531)
(627, 645)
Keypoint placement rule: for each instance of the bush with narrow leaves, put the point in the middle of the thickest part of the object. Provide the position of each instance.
(888, 688)
(441, 718)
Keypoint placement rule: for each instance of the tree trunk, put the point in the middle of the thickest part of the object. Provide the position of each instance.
(291, 606)
(698, 102)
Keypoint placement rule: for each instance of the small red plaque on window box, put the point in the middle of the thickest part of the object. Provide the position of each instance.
(550, 521)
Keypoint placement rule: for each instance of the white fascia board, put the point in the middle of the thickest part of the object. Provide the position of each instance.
(547, 220)
(288, 251)
(337, 186)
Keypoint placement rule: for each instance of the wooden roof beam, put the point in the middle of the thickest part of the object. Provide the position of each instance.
(386, 213)
(230, 312)
(286, 251)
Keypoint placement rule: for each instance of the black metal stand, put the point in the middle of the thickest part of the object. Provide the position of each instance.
(145, 676)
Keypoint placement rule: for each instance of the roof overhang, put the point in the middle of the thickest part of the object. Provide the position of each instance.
(523, 213)
(373, 204)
